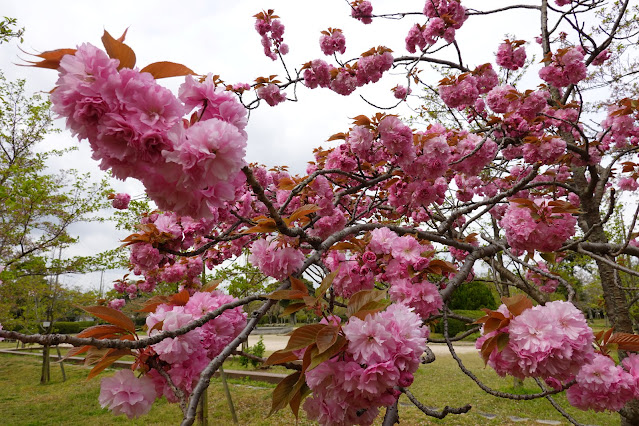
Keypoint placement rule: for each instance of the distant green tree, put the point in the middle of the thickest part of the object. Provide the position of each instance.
(473, 296)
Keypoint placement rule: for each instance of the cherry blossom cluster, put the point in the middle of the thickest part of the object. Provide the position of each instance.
(602, 385)
(182, 358)
(272, 32)
(463, 91)
(511, 55)
(185, 356)
(135, 129)
(333, 41)
(536, 226)
(274, 259)
(362, 10)
(553, 340)
(566, 67)
(345, 79)
(123, 393)
(383, 352)
(121, 201)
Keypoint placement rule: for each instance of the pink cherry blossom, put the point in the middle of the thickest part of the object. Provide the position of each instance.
(121, 201)
(123, 393)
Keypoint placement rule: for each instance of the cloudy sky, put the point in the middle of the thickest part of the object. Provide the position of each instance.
(218, 37)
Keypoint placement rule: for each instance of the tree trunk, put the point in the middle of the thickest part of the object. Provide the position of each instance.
(616, 304)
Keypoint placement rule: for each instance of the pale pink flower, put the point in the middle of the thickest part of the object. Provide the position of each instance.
(123, 393)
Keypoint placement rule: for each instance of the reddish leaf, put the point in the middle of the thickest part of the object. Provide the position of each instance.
(118, 50)
(51, 58)
(304, 336)
(286, 184)
(266, 227)
(112, 316)
(297, 284)
(296, 400)
(280, 357)
(371, 308)
(304, 211)
(152, 304)
(326, 337)
(108, 359)
(361, 298)
(285, 390)
(517, 303)
(211, 286)
(94, 355)
(337, 136)
(292, 308)
(438, 266)
(286, 295)
(336, 348)
(166, 69)
(326, 283)
(180, 299)
(625, 341)
(76, 351)
(99, 331)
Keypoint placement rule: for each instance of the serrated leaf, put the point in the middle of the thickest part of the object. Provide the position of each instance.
(165, 69)
(280, 357)
(152, 304)
(336, 348)
(502, 341)
(99, 331)
(180, 299)
(304, 211)
(336, 136)
(297, 399)
(326, 337)
(112, 316)
(625, 341)
(292, 308)
(51, 58)
(286, 295)
(326, 283)
(212, 285)
(108, 359)
(361, 298)
(297, 284)
(76, 351)
(118, 50)
(286, 184)
(517, 303)
(371, 308)
(284, 391)
(304, 336)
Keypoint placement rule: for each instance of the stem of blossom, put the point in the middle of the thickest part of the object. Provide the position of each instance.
(179, 394)
(392, 415)
(557, 406)
(279, 222)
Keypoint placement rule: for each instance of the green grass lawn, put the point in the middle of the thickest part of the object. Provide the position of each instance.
(23, 401)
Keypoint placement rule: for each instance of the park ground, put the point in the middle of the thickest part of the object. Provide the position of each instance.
(23, 401)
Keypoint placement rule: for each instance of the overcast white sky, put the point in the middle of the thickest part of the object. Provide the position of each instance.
(218, 37)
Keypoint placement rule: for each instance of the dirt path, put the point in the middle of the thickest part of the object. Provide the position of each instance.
(276, 342)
